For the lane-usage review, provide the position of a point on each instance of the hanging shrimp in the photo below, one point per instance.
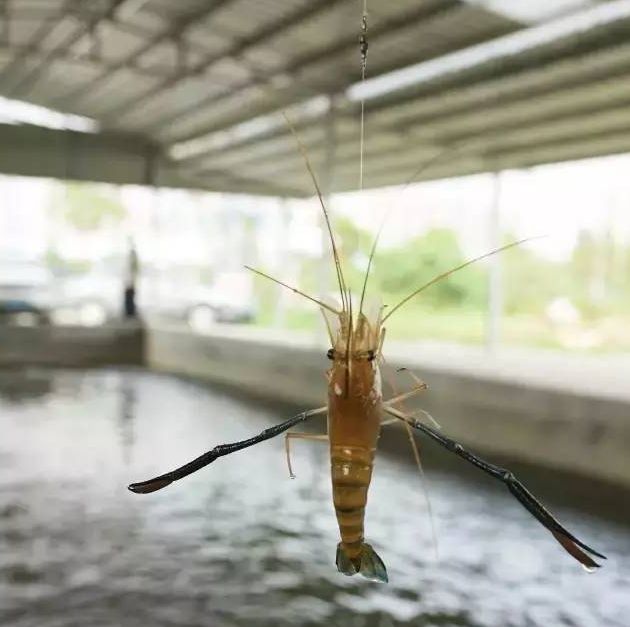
(356, 412)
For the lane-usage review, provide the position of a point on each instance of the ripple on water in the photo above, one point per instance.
(241, 544)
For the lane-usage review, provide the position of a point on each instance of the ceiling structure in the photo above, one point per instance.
(192, 93)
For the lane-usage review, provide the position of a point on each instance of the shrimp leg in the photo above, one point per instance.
(157, 483)
(405, 395)
(299, 436)
(570, 543)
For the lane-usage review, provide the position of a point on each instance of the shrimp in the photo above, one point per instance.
(356, 412)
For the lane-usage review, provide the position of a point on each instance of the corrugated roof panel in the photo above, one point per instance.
(555, 99)
(238, 102)
(172, 11)
(211, 41)
(140, 16)
(23, 31)
(119, 85)
(117, 44)
(240, 18)
(437, 36)
(154, 109)
(60, 77)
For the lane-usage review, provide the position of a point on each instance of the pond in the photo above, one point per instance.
(239, 543)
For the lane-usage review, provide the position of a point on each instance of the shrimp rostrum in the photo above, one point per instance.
(356, 411)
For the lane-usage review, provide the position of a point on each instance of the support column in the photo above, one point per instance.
(495, 293)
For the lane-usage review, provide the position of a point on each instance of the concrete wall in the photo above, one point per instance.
(544, 410)
(72, 346)
(536, 417)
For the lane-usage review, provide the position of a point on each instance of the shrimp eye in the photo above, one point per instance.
(371, 355)
(331, 353)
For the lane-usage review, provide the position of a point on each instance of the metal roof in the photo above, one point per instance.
(196, 88)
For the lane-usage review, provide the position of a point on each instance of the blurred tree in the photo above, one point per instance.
(88, 208)
(397, 271)
(400, 270)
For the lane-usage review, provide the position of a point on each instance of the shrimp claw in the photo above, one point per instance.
(157, 483)
(569, 542)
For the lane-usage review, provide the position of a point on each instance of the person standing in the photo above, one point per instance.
(131, 276)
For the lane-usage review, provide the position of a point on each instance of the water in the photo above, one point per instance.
(241, 544)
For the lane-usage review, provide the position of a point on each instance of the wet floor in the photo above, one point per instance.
(241, 544)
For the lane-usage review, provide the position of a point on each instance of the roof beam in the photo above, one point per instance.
(120, 159)
(486, 144)
(27, 14)
(457, 129)
(296, 91)
(87, 59)
(586, 146)
(574, 73)
(237, 48)
(172, 32)
(27, 82)
(38, 36)
(36, 151)
(226, 181)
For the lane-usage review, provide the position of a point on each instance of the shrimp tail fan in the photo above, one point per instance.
(367, 563)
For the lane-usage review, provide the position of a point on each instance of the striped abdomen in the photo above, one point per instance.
(351, 469)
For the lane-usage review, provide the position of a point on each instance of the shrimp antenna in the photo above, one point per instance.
(370, 259)
(295, 290)
(349, 342)
(309, 167)
(427, 164)
(452, 271)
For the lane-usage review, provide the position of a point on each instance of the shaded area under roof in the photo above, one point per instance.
(191, 93)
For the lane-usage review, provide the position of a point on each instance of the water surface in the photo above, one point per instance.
(241, 544)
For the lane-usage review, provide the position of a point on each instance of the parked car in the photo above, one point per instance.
(228, 298)
(26, 290)
(97, 296)
(89, 299)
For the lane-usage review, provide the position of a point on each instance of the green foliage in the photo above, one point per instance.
(594, 280)
(396, 272)
(88, 208)
(401, 270)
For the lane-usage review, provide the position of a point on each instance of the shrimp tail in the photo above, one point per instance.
(367, 563)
